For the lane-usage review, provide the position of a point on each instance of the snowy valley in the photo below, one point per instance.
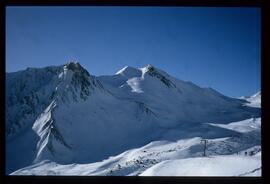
(139, 121)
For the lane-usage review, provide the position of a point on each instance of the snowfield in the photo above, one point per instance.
(239, 155)
(208, 166)
(159, 159)
(242, 126)
(140, 121)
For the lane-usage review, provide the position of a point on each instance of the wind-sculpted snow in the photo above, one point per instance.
(77, 118)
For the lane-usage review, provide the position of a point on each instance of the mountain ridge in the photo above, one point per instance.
(124, 107)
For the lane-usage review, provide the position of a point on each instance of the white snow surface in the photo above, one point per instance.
(122, 124)
(247, 125)
(239, 155)
(254, 100)
(161, 158)
(208, 166)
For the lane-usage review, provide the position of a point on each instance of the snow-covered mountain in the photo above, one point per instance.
(254, 100)
(67, 116)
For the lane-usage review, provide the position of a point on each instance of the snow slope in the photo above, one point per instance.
(168, 157)
(173, 99)
(77, 118)
(208, 166)
(28, 93)
(254, 100)
(242, 126)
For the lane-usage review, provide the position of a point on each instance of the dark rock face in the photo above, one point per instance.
(27, 95)
(82, 81)
(154, 73)
(76, 67)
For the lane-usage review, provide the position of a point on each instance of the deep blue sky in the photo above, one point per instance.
(211, 47)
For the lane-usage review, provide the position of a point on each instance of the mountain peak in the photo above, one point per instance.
(75, 83)
(76, 67)
(147, 68)
(60, 114)
(150, 69)
(72, 65)
(129, 71)
(257, 94)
